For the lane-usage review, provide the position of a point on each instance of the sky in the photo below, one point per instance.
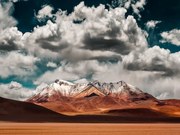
(137, 41)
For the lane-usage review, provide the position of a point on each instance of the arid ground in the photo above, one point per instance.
(88, 129)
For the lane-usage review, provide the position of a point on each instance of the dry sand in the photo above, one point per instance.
(88, 129)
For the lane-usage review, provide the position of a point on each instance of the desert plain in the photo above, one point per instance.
(88, 129)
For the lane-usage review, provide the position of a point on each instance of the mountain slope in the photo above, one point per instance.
(18, 111)
(90, 91)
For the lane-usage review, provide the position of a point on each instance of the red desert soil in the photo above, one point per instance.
(88, 129)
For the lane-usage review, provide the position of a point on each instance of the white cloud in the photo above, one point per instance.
(127, 4)
(16, 91)
(138, 6)
(72, 71)
(40, 87)
(154, 59)
(45, 13)
(172, 37)
(17, 64)
(166, 88)
(51, 64)
(83, 80)
(13, 59)
(42, 36)
(99, 32)
(152, 24)
(6, 20)
(14, 85)
(10, 39)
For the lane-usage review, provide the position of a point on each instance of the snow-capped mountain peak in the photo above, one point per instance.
(71, 89)
(61, 88)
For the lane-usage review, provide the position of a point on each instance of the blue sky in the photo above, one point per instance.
(137, 41)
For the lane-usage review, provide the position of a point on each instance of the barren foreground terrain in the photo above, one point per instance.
(88, 129)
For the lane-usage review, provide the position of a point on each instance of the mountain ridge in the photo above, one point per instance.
(71, 89)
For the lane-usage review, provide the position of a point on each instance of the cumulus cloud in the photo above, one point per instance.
(136, 5)
(40, 87)
(72, 71)
(41, 39)
(17, 64)
(88, 32)
(16, 91)
(45, 13)
(10, 39)
(51, 64)
(81, 81)
(14, 85)
(152, 24)
(153, 59)
(14, 59)
(172, 37)
(6, 20)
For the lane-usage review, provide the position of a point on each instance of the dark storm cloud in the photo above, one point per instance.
(47, 43)
(100, 43)
(156, 65)
(8, 47)
(75, 54)
(53, 48)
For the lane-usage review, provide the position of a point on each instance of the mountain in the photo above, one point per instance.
(99, 98)
(66, 89)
